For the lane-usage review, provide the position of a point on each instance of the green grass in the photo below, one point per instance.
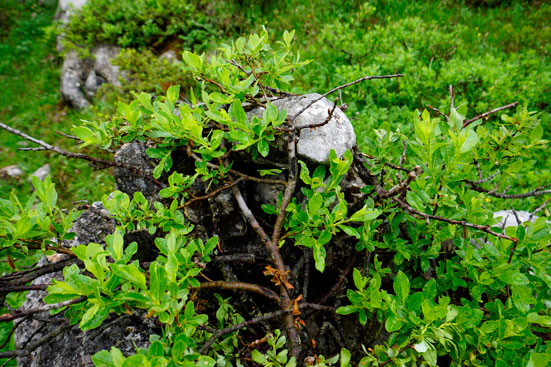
(29, 101)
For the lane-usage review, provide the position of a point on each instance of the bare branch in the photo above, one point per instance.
(425, 216)
(486, 114)
(342, 87)
(439, 112)
(240, 286)
(502, 195)
(325, 122)
(96, 161)
(18, 314)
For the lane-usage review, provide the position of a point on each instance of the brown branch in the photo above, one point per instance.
(439, 112)
(256, 77)
(23, 288)
(479, 227)
(18, 314)
(93, 160)
(340, 280)
(213, 83)
(25, 276)
(241, 325)
(502, 195)
(325, 122)
(239, 286)
(31, 347)
(486, 114)
(69, 136)
(256, 320)
(211, 194)
(342, 87)
(243, 175)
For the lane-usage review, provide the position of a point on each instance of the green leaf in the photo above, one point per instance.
(421, 347)
(392, 324)
(145, 100)
(345, 357)
(173, 93)
(220, 98)
(456, 119)
(271, 112)
(365, 214)
(470, 142)
(319, 257)
(236, 111)
(401, 286)
(131, 273)
(136, 360)
(263, 148)
(536, 134)
(359, 280)
(93, 317)
(347, 310)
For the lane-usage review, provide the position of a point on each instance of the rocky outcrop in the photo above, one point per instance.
(81, 78)
(61, 344)
(315, 143)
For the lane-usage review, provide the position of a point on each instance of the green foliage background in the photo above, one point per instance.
(493, 53)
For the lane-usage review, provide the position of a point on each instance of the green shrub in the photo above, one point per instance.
(422, 273)
(137, 24)
(142, 71)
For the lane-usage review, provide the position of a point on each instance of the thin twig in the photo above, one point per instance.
(241, 174)
(241, 325)
(23, 288)
(486, 114)
(342, 87)
(31, 347)
(96, 161)
(211, 194)
(502, 195)
(69, 136)
(438, 112)
(240, 286)
(19, 314)
(298, 129)
(256, 320)
(538, 209)
(485, 228)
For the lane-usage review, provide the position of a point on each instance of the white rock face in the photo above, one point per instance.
(508, 217)
(41, 173)
(82, 78)
(12, 171)
(314, 144)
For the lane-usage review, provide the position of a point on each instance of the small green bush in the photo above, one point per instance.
(141, 71)
(137, 24)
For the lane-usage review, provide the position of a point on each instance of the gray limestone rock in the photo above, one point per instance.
(12, 171)
(81, 78)
(101, 56)
(509, 219)
(41, 173)
(72, 76)
(315, 143)
(67, 345)
(133, 155)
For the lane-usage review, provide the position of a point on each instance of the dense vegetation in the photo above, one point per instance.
(440, 302)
